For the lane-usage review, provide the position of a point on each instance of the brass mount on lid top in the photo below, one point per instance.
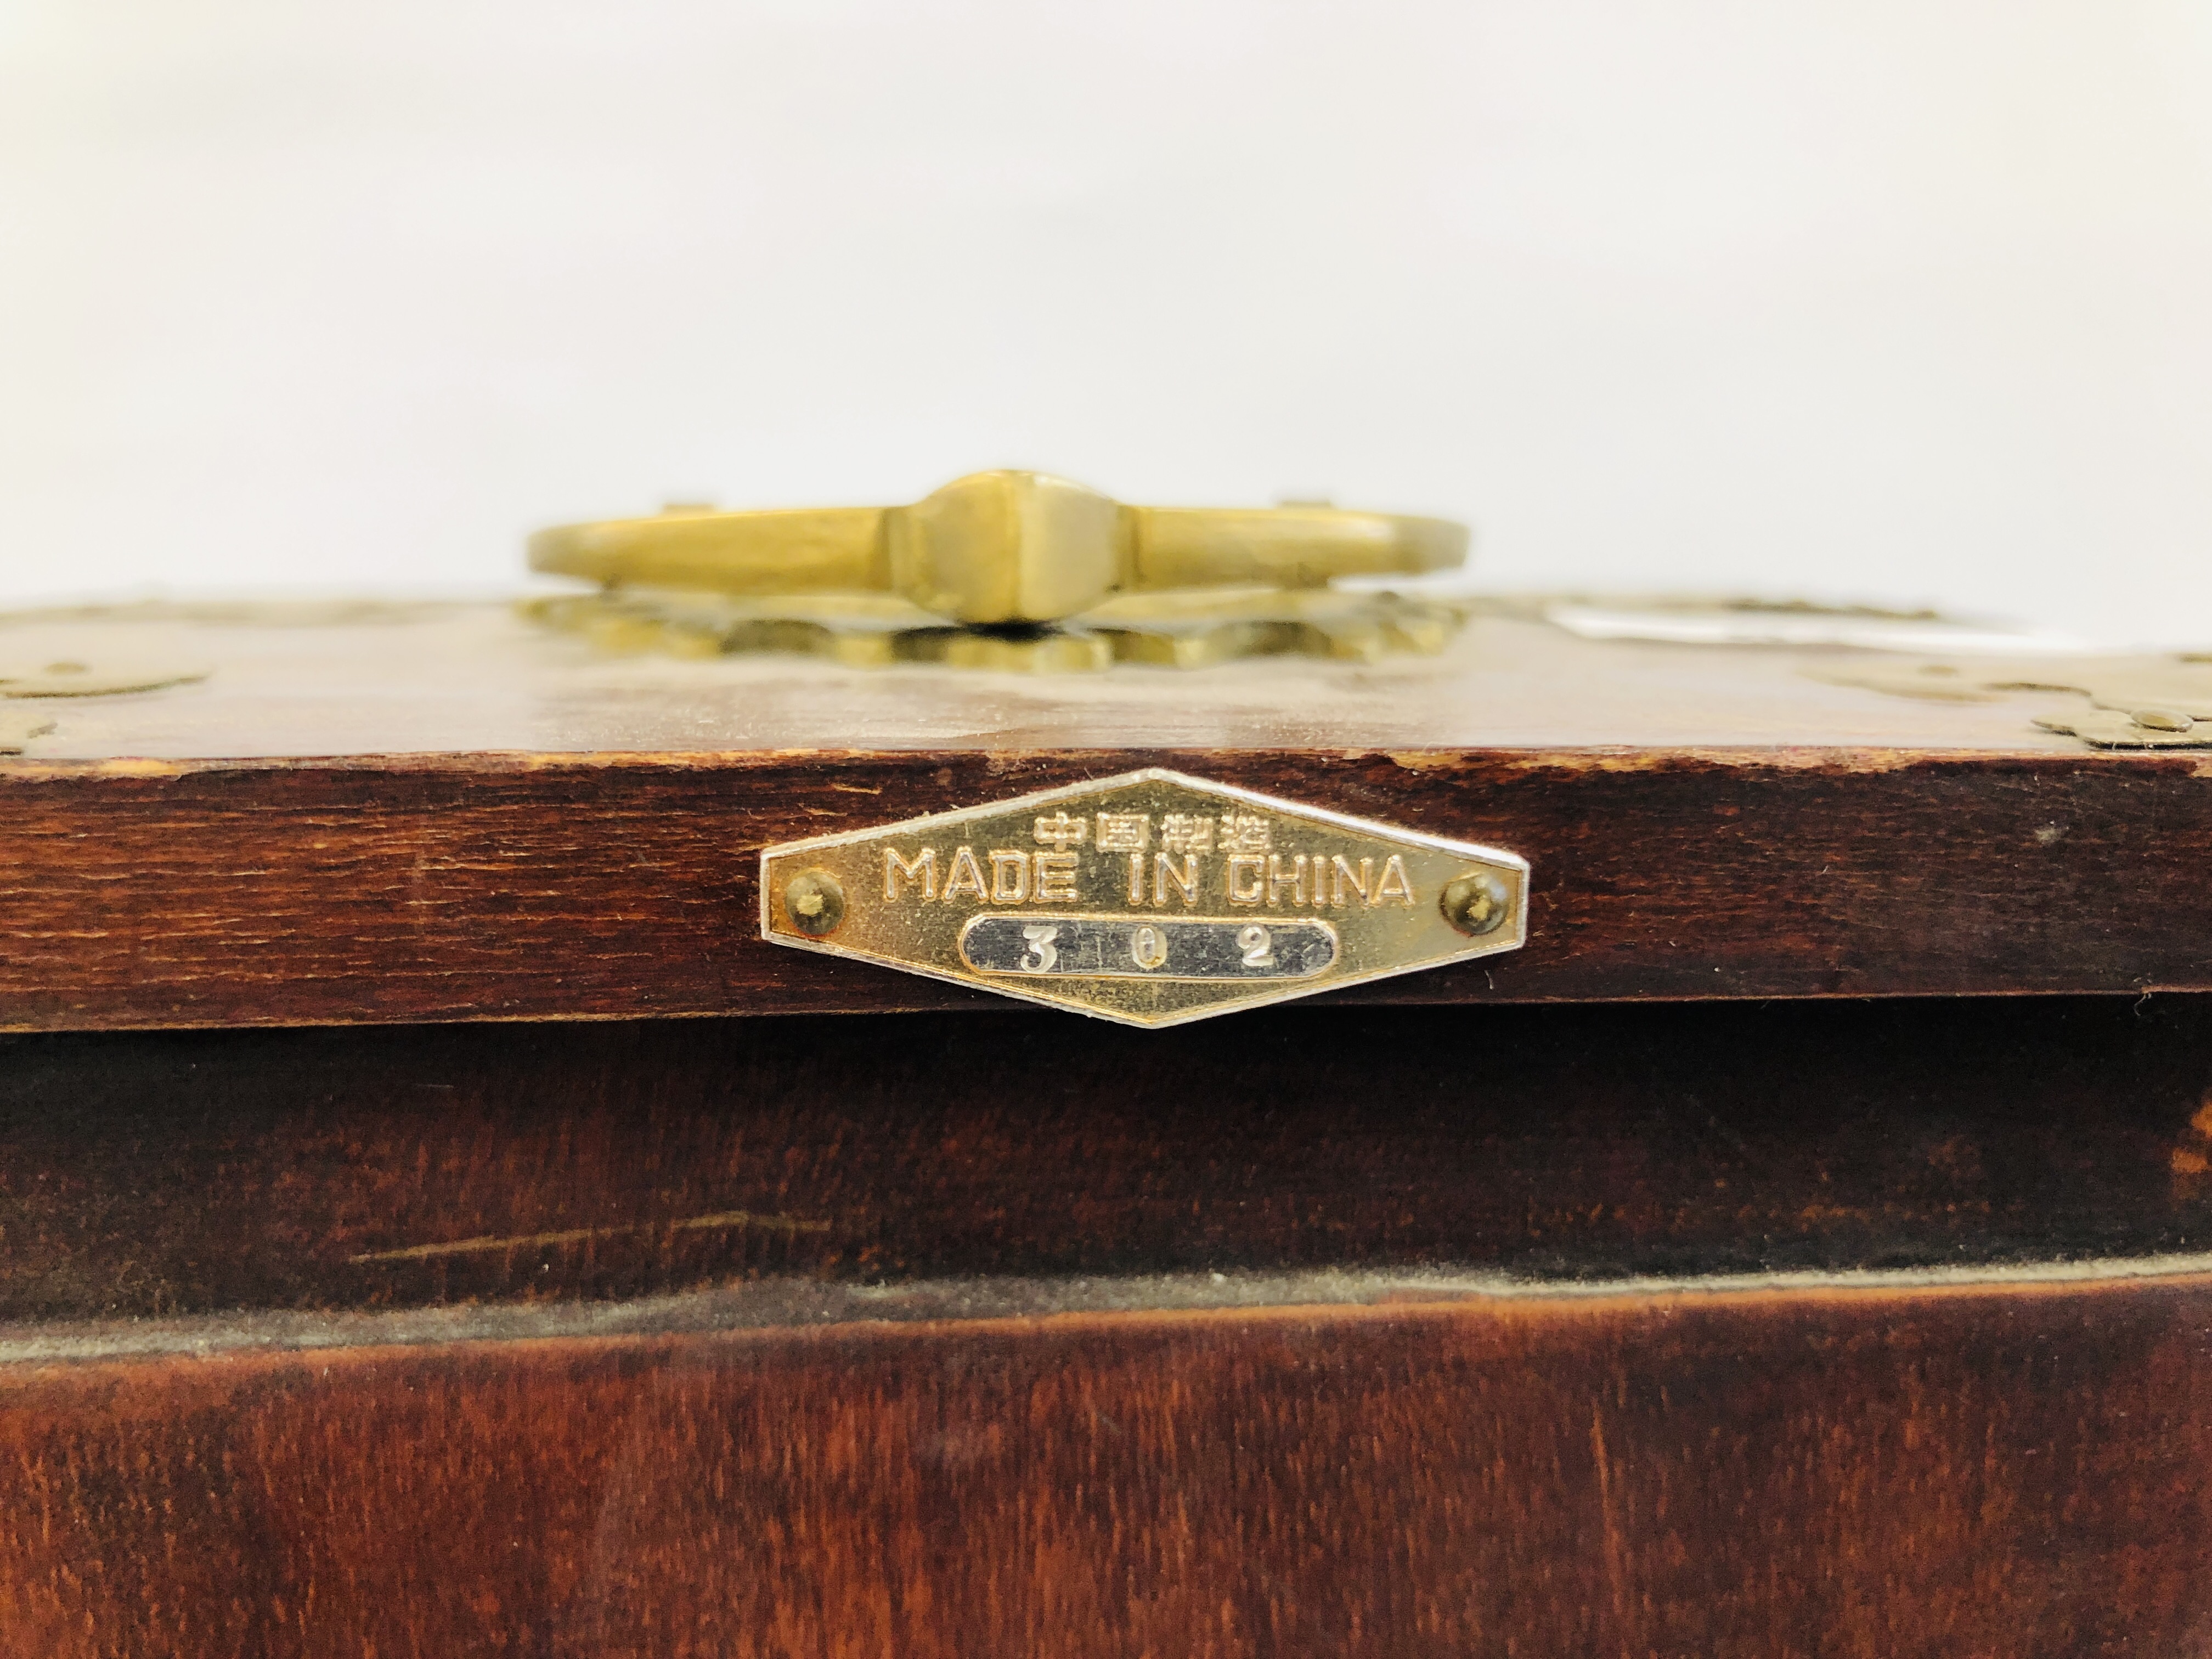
(1005, 569)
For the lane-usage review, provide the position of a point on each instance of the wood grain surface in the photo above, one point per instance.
(480, 888)
(308, 681)
(394, 814)
(476, 1313)
(2014, 1471)
(151, 1175)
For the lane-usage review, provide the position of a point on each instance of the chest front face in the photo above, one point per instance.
(1501, 1148)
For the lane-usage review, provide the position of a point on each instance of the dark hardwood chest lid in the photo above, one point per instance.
(400, 813)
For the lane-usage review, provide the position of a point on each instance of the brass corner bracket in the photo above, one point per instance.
(2133, 702)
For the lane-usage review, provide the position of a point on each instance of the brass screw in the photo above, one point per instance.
(1476, 903)
(814, 901)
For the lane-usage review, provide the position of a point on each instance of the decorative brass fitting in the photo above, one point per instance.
(1008, 569)
(998, 547)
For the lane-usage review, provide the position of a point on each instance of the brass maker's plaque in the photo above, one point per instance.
(1150, 899)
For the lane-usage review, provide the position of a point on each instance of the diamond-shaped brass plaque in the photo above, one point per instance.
(1150, 899)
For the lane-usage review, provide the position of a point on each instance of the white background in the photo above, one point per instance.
(1894, 299)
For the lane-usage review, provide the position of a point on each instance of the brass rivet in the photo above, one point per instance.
(814, 901)
(1476, 903)
(2163, 719)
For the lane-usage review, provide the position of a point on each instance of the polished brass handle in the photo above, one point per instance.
(998, 547)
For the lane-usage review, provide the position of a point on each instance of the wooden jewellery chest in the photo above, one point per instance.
(577, 1132)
